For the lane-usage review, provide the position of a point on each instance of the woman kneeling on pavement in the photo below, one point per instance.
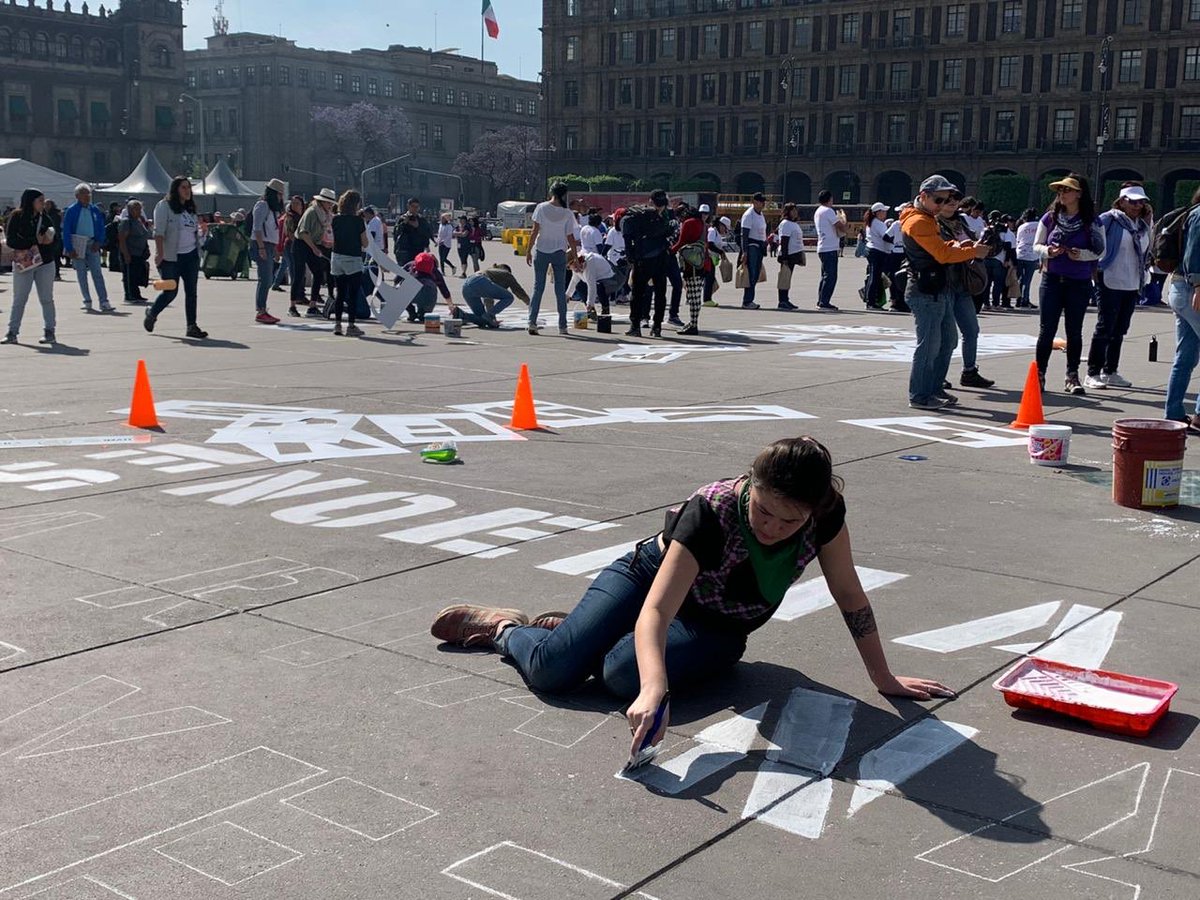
(677, 609)
(930, 294)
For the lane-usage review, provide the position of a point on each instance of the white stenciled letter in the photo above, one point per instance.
(315, 513)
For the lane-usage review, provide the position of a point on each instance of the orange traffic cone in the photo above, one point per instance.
(1030, 410)
(524, 416)
(141, 407)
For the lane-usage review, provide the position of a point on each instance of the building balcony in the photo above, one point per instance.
(898, 42)
(906, 95)
(1006, 145)
(1189, 144)
(1072, 145)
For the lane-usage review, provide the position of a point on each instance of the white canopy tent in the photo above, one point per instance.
(148, 182)
(17, 175)
(221, 190)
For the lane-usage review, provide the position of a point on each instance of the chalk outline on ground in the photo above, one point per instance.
(32, 753)
(159, 850)
(591, 876)
(287, 801)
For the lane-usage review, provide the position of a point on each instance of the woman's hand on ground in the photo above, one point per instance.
(913, 688)
(641, 718)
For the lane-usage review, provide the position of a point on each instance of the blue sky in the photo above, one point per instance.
(309, 23)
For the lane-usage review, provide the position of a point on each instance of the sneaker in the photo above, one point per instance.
(933, 403)
(337, 330)
(972, 378)
(592, 317)
(947, 399)
(676, 321)
(1096, 382)
(265, 318)
(688, 329)
(10, 338)
(87, 307)
(750, 306)
(148, 322)
(474, 626)
(634, 331)
(1072, 386)
(47, 338)
(293, 312)
(105, 306)
(787, 306)
(533, 329)
(946, 385)
(194, 331)
(276, 287)
(547, 620)
(862, 294)
(828, 306)
(314, 312)
(353, 331)
(656, 331)
(1116, 379)
(711, 303)
(563, 330)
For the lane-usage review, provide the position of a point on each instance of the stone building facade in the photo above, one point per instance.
(259, 91)
(867, 97)
(86, 89)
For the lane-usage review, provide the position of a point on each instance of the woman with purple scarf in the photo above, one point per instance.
(1070, 239)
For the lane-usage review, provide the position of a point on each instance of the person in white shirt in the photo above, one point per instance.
(553, 234)
(896, 270)
(717, 232)
(445, 241)
(595, 272)
(590, 235)
(754, 246)
(1028, 260)
(879, 253)
(829, 239)
(791, 252)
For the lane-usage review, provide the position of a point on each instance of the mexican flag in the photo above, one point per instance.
(489, 19)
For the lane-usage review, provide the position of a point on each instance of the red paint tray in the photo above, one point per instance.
(1109, 700)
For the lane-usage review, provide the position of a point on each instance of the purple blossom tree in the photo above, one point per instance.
(363, 134)
(507, 160)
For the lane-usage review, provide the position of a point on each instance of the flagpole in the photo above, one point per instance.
(481, 38)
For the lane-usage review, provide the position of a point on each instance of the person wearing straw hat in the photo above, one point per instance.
(1121, 275)
(264, 238)
(306, 248)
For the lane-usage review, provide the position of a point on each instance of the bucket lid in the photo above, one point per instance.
(1168, 425)
(1050, 430)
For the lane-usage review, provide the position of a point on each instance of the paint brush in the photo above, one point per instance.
(648, 751)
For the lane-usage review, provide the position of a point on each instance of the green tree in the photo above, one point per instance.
(1007, 193)
(1184, 190)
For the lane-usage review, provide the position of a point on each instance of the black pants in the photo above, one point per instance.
(302, 258)
(676, 278)
(647, 274)
(346, 288)
(1062, 297)
(1114, 314)
(444, 257)
(133, 277)
(877, 262)
(185, 272)
(899, 282)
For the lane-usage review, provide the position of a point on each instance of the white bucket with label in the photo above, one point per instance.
(1049, 445)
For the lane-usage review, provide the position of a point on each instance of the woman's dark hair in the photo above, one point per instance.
(349, 203)
(175, 201)
(868, 217)
(969, 203)
(558, 191)
(1030, 215)
(788, 209)
(1087, 206)
(274, 200)
(28, 198)
(594, 218)
(799, 469)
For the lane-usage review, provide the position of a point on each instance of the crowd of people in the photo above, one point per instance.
(941, 258)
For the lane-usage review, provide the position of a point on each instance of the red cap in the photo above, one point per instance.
(618, 214)
(425, 263)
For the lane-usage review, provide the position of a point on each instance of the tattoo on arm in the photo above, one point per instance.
(861, 622)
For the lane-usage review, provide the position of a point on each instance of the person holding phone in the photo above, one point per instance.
(677, 609)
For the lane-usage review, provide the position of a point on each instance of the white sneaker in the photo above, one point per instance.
(1118, 380)
(1097, 382)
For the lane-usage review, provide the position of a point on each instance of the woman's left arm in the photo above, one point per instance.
(837, 564)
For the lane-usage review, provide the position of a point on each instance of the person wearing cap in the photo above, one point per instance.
(715, 239)
(1028, 261)
(413, 233)
(929, 293)
(1184, 299)
(424, 268)
(1120, 277)
(791, 253)
(897, 272)
(264, 238)
(953, 228)
(1070, 239)
(878, 250)
(306, 248)
(754, 246)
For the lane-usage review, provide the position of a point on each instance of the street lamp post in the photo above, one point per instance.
(203, 157)
(1105, 69)
(785, 84)
(362, 176)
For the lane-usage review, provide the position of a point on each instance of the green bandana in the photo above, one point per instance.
(774, 566)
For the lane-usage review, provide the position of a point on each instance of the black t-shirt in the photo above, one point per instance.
(347, 234)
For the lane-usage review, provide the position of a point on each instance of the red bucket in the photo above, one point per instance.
(1148, 462)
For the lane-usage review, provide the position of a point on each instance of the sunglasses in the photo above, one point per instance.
(1131, 200)
(1066, 190)
(939, 201)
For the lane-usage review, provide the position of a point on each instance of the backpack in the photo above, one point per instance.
(1166, 244)
(642, 225)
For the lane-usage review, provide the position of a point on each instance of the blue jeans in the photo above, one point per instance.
(596, 639)
(266, 276)
(937, 336)
(1187, 347)
(475, 290)
(1062, 297)
(284, 269)
(1026, 269)
(88, 260)
(541, 262)
(968, 327)
(186, 271)
(754, 261)
(829, 276)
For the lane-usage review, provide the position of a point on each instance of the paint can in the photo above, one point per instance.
(433, 324)
(581, 320)
(165, 284)
(1148, 462)
(452, 328)
(604, 324)
(1049, 445)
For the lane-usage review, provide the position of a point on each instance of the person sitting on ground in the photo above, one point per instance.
(424, 267)
(487, 294)
(677, 609)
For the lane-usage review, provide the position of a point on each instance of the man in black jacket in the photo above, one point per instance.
(413, 233)
(647, 234)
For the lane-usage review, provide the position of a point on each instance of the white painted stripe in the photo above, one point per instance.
(114, 454)
(1085, 646)
(569, 522)
(75, 441)
(586, 563)
(803, 813)
(493, 554)
(207, 454)
(737, 733)
(521, 534)
(905, 755)
(153, 460)
(812, 730)
(687, 769)
(813, 595)
(982, 631)
(464, 547)
(428, 534)
(188, 467)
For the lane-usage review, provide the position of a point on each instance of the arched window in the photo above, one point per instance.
(41, 45)
(77, 49)
(6, 42)
(22, 43)
(96, 52)
(162, 56)
(112, 53)
(60, 47)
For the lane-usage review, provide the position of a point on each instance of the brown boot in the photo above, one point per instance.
(474, 626)
(547, 620)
